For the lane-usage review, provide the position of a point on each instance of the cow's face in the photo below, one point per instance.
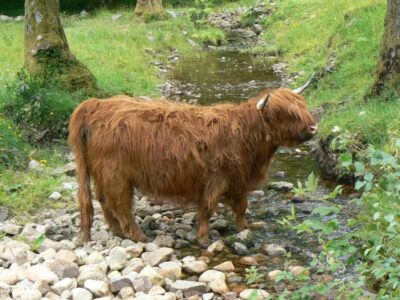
(288, 121)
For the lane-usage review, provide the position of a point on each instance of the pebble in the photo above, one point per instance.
(216, 247)
(189, 288)
(142, 284)
(41, 273)
(153, 275)
(218, 286)
(63, 285)
(248, 261)
(171, 270)
(298, 198)
(118, 283)
(219, 224)
(196, 267)
(240, 249)
(158, 256)
(273, 250)
(98, 287)
(62, 268)
(273, 274)
(81, 294)
(212, 275)
(225, 267)
(55, 196)
(117, 258)
(298, 270)
(248, 294)
(11, 229)
(280, 186)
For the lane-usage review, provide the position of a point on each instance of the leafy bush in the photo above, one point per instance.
(40, 109)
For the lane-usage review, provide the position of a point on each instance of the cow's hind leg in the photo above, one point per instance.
(112, 222)
(213, 191)
(239, 206)
(120, 204)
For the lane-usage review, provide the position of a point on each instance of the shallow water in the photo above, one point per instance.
(214, 76)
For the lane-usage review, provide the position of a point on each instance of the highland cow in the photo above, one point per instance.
(189, 153)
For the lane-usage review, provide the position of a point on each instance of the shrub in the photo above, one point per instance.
(39, 109)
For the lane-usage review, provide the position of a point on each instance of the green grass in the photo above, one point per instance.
(309, 32)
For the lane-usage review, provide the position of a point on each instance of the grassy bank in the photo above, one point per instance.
(344, 37)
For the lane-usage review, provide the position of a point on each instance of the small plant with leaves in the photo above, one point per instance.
(309, 186)
(253, 275)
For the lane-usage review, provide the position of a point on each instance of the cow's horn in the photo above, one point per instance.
(303, 88)
(262, 102)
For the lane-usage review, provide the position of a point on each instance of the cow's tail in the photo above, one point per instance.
(78, 135)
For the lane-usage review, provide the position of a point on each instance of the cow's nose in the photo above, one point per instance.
(313, 129)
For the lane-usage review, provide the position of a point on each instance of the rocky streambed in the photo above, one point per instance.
(45, 259)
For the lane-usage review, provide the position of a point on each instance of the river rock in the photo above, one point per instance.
(273, 250)
(66, 255)
(218, 286)
(280, 186)
(142, 284)
(240, 249)
(94, 258)
(219, 224)
(189, 218)
(171, 270)
(81, 294)
(211, 275)
(9, 276)
(164, 241)
(98, 287)
(96, 272)
(196, 266)
(216, 247)
(63, 285)
(298, 270)
(156, 290)
(126, 292)
(158, 256)
(118, 283)
(11, 229)
(248, 261)
(298, 198)
(20, 292)
(62, 268)
(153, 275)
(189, 288)
(247, 294)
(67, 169)
(55, 196)
(4, 213)
(34, 165)
(135, 265)
(41, 273)
(116, 260)
(273, 274)
(226, 266)
(135, 250)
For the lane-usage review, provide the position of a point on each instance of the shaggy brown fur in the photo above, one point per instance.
(189, 153)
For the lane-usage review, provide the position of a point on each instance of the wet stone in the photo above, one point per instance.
(273, 250)
(196, 267)
(298, 270)
(189, 288)
(220, 224)
(298, 198)
(273, 274)
(248, 261)
(164, 241)
(247, 294)
(216, 247)
(225, 267)
(280, 186)
(240, 249)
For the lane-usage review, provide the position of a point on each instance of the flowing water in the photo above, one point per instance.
(216, 76)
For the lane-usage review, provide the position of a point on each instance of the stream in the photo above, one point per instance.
(216, 76)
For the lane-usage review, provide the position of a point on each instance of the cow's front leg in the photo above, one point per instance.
(239, 206)
(204, 216)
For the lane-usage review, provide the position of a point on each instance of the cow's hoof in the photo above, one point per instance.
(204, 242)
(140, 237)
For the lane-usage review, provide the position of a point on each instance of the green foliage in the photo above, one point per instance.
(310, 185)
(210, 36)
(37, 243)
(253, 276)
(200, 11)
(39, 109)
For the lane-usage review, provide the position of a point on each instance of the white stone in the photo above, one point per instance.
(247, 293)
(55, 196)
(273, 274)
(11, 229)
(153, 275)
(23, 293)
(197, 266)
(96, 272)
(216, 247)
(156, 290)
(63, 285)
(81, 294)
(48, 254)
(94, 258)
(158, 256)
(171, 270)
(98, 287)
(116, 259)
(66, 255)
(41, 273)
(218, 286)
(8, 276)
(273, 250)
(211, 275)
(226, 266)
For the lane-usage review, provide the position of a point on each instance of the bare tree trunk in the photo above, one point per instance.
(47, 53)
(388, 69)
(146, 7)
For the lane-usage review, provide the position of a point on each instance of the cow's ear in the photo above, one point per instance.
(262, 103)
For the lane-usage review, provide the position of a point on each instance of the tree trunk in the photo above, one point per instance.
(47, 54)
(147, 7)
(388, 69)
